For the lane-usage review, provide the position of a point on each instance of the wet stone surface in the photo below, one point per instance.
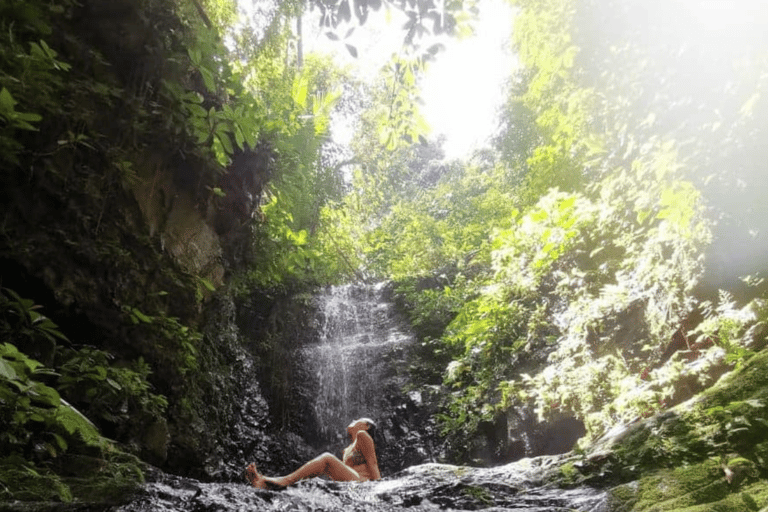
(514, 487)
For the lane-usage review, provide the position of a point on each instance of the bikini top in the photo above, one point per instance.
(353, 456)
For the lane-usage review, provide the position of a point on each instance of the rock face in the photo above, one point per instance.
(525, 436)
(514, 487)
(184, 232)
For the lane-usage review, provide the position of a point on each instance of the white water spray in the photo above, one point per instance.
(358, 337)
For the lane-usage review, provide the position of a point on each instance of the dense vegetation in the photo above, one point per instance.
(128, 136)
(562, 270)
(603, 260)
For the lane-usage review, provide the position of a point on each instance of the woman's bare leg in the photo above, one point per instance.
(326, 464)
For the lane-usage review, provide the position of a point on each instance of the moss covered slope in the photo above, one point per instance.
(708, 454)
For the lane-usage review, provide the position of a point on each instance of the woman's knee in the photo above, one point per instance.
(327, 458)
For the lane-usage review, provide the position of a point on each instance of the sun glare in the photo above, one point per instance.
(464, 88)
(723, 16)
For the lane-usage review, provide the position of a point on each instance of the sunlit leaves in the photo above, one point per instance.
(287, 254)
(574, 262)
(423, 16)
(221, 14)
(400, 121)
(300, 91)
(525, 253)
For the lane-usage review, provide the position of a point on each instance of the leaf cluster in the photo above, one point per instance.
(107, 393)
(170, 341)
(30, 65)
(291, 257)
(40, 425)
(423, 16)
(52, 411)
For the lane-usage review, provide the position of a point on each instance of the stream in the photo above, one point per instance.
(512, 487)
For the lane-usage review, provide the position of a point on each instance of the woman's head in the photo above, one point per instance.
(357, 425)
(371, 426)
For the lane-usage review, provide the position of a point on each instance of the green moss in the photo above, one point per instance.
(730, 418)
(23, 481)
(698, 488)
(760, 455)
(569, 474)
(623, 497)
(750, 381)
(708, 455)
(106, 479)
(479, 494)
(688, 485)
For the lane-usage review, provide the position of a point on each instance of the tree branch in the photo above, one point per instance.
(202, 14)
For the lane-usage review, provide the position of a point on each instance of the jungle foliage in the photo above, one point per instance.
(43, 431)
(587, 265)
(82, 120)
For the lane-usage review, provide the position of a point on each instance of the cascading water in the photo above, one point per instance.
(358, 337)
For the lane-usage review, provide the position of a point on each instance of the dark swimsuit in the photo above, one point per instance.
(353, 458)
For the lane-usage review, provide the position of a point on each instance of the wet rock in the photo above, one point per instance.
(515, 487)
(524, 435)
(230, 419)
(155, 442)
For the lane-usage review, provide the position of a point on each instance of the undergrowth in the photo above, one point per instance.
(46, 437)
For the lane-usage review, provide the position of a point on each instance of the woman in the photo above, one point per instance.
(358, 463)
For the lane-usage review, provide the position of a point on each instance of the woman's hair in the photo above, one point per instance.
(372, 432)
(371, 426)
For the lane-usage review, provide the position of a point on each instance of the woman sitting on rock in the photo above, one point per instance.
(358, 463)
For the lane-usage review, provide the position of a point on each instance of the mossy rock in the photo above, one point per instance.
(115, 477)
(478, 494)
(28, 483)
(79, 480)
(692, 489)
(750, 381)
(708, 455)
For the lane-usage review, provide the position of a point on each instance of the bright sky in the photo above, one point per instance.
(463, 87)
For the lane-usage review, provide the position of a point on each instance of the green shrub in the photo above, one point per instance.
(106, 392)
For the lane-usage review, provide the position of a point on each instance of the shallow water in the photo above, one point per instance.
(513, 487)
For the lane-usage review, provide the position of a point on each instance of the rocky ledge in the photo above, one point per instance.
(519, 486)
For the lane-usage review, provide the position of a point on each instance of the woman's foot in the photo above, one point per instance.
(259, 481)
(254, 477)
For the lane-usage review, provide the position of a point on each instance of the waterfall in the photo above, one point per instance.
(358, 336)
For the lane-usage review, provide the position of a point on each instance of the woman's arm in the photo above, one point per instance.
(366, 447)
